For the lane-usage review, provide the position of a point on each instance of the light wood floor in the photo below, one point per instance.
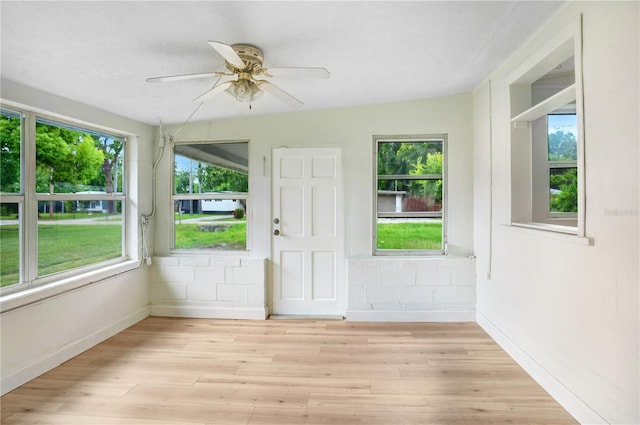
(165, 371)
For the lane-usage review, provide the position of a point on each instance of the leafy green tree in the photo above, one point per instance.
(111, 149)
(432, 189)
(52, 156)
(566, 200)
(218, 179)
(181, 181)
(399, 158)
(87, 160)
(9, 154)
(562, 146)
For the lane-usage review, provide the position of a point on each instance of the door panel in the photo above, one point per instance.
(308, 255)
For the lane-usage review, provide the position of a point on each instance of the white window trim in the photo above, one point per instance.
(404, 252)
(34, 288)
(206, 196)
(567, 43)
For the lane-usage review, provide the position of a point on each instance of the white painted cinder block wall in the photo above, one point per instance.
(567, 311)
(410, 289)
(208, 286)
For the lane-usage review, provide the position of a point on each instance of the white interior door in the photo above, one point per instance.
(307, 232)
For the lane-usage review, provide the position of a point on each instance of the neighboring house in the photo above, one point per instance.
(209, 206)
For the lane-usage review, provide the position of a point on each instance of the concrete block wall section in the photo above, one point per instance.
(444, 284)
(205, 286)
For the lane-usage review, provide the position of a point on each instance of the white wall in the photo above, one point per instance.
(352, 129)
(61, 322)
(567, 311)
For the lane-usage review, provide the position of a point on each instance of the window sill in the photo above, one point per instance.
(187, 252)
(551, 231)
(39, 293)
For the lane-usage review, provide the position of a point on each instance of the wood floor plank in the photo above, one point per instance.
(164, 371)
(126, 411)
(310, 416)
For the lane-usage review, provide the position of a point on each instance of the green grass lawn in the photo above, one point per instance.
(63, 247)
(426, 235)
(60, 247)
(208, 236)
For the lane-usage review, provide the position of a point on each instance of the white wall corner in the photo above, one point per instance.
(22, 376)
(565, 397)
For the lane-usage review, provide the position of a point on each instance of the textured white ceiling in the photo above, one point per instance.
(100, 53)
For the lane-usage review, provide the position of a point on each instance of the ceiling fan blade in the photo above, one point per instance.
(319, 73)
(228, 54)
(214, 91)
(279, 93)
(182, 77)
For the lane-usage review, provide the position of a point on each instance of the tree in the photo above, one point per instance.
(9, 154)
(432, 189)
(218, 179)
(566, 183)
(111, 149)
(563, 147)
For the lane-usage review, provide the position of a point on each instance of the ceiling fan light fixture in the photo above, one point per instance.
(244, 90)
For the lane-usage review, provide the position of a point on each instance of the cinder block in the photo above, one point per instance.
(416, 295)
(168, 291)
(381, 295)
(356, 296)
(173, 274)
(247, 275)
(464, 276)
(165, 261)
(209, 275)
(256, 294)
(252, 262)
(234, 293)
(433, 276)
(455, 262)
(194, 260)
(201, 291)
(451, 295)
(225, 262)
(398, 277)
(366, 276)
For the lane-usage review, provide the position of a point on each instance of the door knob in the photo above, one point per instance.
(276, 232)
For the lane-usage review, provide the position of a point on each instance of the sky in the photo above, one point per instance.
(566, 123)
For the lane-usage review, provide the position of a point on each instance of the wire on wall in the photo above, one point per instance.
(145, 220)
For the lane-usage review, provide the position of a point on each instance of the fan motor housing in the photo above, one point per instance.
(250, 55)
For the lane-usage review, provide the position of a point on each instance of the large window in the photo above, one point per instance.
(547, 159)
(410, 194)
(63, 199)
(210, 196)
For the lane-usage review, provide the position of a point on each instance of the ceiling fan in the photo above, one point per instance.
(244, 63)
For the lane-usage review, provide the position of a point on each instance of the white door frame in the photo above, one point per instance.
(308, 272)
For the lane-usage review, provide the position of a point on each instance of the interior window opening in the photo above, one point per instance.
(210, 196)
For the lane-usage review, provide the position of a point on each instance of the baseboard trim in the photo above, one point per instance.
(565, 397)
(69, 351)
(410, 316)
(209, 312)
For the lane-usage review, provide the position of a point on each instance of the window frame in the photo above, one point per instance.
(529, 205)
(441, 138)
(29, 280)
(209, 196)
